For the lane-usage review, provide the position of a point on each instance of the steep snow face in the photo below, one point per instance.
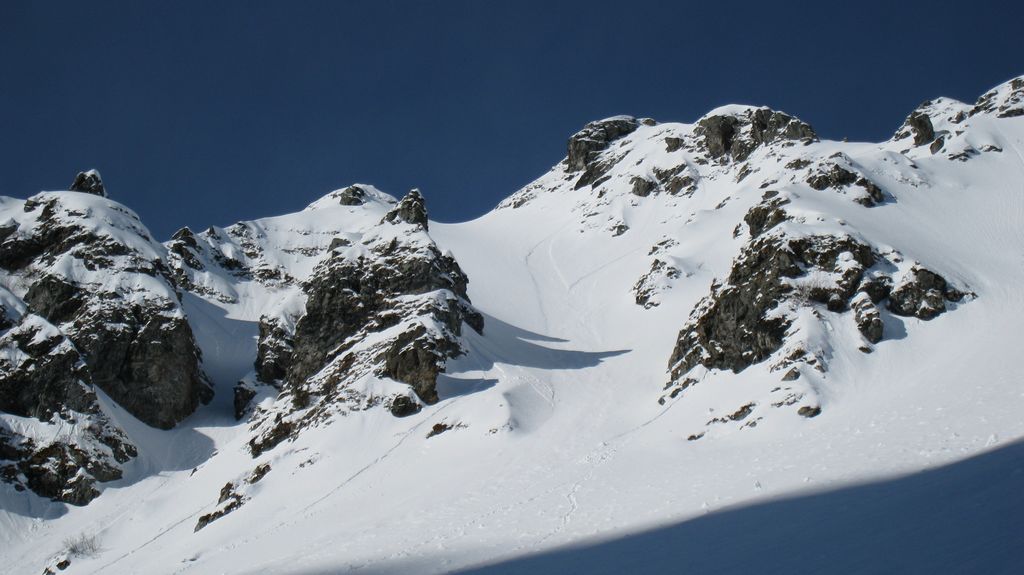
(678, 319)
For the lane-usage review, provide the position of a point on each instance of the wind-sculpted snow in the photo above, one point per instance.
(678, 324)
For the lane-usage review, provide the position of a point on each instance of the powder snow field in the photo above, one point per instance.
(562, 460)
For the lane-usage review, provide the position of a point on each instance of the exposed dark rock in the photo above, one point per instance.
(868, 318)
(55, 299)
(718, 134)
(150, 369)
(273, 350)
(403, 294)
(404, 406)
(874, 195)
(1006, 100)
(745, 171)
(279, 431)
(808, 411)
(832, 175)
(140, 351)
(229, 501)
(184, 244)
(7, 229)
(767, 214)
(585, 148)
(58, 471)
(922, 294)
(259, 473)
(921, 127)
(439, 428)
(339, 243)
(409, 361)
(585, 145)
(641, 186)
(742, 413)
(43, 376)
(89, 182)
(877, 288)
(731, 328)
(347, 296)
(411, 210)
(739, 135)
(675, 180)
(243, 395)
(352, 196)
(51, 379)
(651, 283)
(673, 144)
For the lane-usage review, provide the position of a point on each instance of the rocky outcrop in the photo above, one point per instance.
(1005, 100)
(67, 444)
(655, 281)
(868, 318)
(750, 317)
(767, 214)
(233, 496)
(738, 135)
(43, 374)
(920, 126)
(585, 148)
(89, 182)
(642, 186)
(922, 294)
(352, 196)
(273, 351)
(838, 173)
(411, 210)
(93, 272)
(391, 307)
(585, 145)
(734, 327)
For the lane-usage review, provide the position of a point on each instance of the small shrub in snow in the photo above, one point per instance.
(84, 545)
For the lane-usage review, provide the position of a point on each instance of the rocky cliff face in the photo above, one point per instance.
(55, 440)
(89, 267)
(88, 305)
(387, 306)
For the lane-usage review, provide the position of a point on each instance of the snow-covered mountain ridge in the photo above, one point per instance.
(675, 319)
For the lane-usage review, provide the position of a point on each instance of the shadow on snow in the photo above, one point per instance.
(965, 517)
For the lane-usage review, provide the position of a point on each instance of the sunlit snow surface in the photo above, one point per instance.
(562, 460)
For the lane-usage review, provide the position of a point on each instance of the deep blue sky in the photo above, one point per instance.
(205, 112)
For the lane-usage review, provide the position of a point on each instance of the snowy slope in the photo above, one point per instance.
(559, 424)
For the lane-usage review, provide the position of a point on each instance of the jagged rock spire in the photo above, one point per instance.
(89, 182)
(411, 210)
